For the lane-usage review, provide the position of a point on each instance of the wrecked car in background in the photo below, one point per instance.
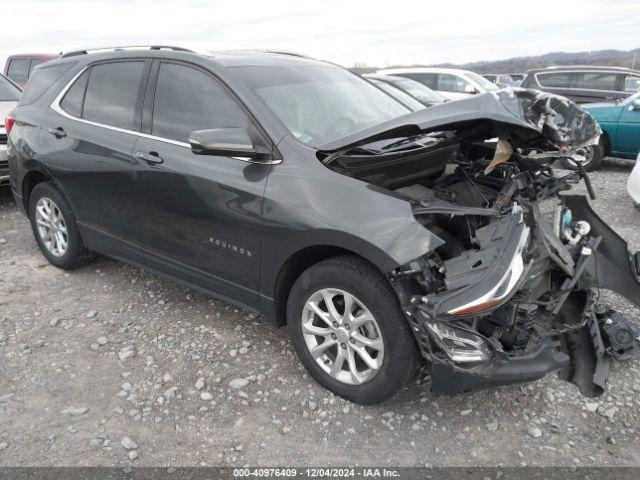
(382, 238)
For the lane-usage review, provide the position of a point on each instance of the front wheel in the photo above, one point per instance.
(348, 330)
(590, 156)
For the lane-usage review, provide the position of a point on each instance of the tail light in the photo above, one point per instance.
(8, 123)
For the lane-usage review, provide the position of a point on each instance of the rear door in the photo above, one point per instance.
(87, 141)
(200, 214)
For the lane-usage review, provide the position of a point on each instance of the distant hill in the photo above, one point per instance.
(616, 58)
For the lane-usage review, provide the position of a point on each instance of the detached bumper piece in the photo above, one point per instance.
(621, 337)
(449, 380)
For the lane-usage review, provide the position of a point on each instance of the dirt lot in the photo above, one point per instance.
(109, 365)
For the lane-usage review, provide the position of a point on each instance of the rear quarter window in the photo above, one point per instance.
(40, 81)
(72, 100)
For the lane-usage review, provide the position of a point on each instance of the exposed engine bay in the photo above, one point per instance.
(511, 291)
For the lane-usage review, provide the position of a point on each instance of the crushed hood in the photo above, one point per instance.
(528, 114)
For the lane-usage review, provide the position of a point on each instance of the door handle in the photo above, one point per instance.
(57, 132)
(151, 158)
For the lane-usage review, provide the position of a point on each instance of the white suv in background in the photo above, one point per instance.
(451, 83)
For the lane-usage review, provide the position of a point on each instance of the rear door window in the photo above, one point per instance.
(451, 83)
(555, 79)
(596, 80)
(41, 80)
(188, 99)
(111, 94)
(18, 70)
(428, 79)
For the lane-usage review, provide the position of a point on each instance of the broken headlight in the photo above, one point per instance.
(460, 345)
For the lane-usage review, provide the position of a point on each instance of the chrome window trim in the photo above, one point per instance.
(55, 106)
(584, 89)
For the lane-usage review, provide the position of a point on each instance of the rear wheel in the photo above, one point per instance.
(55, 229)
(348, 330)
(590, 156)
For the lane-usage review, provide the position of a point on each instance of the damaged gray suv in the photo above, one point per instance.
(383, 239)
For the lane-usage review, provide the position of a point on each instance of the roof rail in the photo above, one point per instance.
(74, 53)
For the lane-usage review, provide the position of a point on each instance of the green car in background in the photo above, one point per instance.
(620, 123)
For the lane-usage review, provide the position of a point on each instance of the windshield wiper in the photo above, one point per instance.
(357, 149)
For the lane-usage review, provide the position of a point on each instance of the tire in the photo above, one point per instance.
(396, 353)
(74, 252)
(594, 155)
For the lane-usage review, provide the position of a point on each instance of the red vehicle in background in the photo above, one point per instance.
(19, 67)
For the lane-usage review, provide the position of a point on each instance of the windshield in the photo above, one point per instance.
(632, 98)
(8, 91)
(483, 82)
(419, 91)
(320, 103)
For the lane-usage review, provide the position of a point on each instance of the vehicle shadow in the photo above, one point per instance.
(617, 165)
(5, 195)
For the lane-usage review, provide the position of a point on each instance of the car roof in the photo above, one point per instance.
(385, 78)
(595, 68)
(222, 58)
(33, 55)
(453, 71)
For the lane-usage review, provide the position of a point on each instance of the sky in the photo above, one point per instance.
(346, 32)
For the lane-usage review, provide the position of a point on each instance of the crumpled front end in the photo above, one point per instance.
(511, 296)
(508, 292)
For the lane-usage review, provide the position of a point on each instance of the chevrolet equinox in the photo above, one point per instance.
(382, 238)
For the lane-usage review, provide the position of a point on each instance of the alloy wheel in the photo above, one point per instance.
(583, 155)
(52, 227)
(342, 336)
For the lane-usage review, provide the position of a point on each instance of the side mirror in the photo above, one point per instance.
(635, 105)
(470, 89)
(228, 142)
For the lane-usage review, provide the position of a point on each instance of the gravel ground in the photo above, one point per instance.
(111, 366)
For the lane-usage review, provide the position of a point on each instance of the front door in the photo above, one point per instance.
(628, 135)
(200, 214)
